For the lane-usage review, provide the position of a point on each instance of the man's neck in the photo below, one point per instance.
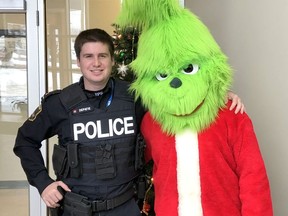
(95, 86)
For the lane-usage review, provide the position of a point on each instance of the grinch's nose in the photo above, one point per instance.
(175, 83)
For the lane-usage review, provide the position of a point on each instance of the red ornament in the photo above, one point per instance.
(146, 208)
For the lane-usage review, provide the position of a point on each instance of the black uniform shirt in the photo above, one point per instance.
(48, 120)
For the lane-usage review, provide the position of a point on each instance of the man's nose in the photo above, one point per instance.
(97, 61)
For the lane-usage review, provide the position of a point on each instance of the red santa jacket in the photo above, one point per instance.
(218, 172)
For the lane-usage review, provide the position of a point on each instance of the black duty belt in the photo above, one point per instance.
(99, 205)
(105, 205)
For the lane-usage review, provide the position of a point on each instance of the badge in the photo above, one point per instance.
(35, 113)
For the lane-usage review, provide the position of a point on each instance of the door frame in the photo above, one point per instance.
(36, 81)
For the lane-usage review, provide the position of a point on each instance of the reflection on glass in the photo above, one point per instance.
(13, 86)
(13, 111)
(61, 58)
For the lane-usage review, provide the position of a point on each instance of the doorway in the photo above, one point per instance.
(20, 87)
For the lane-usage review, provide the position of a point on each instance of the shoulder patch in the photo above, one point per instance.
(38, 110)
(35, 113)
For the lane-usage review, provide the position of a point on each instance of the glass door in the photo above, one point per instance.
(21, 84)
(13, 111)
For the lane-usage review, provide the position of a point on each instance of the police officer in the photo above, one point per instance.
(96, 121)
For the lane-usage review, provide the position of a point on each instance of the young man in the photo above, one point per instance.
(97, 122)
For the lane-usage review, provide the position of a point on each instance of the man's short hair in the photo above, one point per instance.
(93, 35)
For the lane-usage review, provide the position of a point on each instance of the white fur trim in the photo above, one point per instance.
(188, 174)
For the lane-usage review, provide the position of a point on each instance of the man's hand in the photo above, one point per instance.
(236, 102)
(51, 195)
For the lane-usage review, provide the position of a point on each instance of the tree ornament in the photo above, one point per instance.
(122, 55)
(122, 69)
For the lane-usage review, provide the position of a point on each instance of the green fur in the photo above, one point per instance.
(144, 14)
(170, 42)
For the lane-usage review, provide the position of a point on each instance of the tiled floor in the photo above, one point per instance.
(14, 202)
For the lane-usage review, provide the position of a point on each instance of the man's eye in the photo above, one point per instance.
(191, 69)
(161, 76)
(103, 56)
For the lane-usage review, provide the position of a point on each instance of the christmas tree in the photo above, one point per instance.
(125, 42)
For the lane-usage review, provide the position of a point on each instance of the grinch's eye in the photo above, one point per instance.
(161, 76)
(191, 69)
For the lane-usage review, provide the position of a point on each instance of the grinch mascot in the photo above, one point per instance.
(206, 159)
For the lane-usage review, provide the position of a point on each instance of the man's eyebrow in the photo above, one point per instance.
(87, 53)
(104, 53)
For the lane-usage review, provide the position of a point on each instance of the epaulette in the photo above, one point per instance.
(48, 94)
(71, 96)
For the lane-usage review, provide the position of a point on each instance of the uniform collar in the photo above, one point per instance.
(91, 94)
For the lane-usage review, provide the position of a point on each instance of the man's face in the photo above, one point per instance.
(95, 63)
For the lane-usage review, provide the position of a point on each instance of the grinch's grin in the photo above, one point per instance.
(195, 110)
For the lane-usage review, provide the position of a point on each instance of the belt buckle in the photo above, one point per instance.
(99, 205)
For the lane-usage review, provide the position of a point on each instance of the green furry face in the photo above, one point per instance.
(187, 98)
(182, 76)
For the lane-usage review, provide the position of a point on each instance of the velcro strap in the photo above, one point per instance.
(73, 155)
(89, 149)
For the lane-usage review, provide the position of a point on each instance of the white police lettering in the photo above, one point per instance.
(118, 126)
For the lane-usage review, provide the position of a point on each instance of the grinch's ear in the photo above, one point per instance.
(143, 14)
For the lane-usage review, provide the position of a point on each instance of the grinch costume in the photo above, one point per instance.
(206, 159)
(217, 172)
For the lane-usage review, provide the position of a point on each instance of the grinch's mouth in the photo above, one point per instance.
(195, 110)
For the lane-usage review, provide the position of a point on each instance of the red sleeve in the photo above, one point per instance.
(145, 128)
(253, 181)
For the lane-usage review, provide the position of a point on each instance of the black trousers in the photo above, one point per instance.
(130, 208)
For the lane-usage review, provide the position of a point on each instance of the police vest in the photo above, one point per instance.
(103, 148)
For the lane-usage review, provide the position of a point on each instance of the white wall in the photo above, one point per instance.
(254, 35)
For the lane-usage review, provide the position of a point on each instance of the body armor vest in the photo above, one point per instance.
(102, 150)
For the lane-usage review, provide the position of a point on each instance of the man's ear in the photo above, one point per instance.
(78, 62)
